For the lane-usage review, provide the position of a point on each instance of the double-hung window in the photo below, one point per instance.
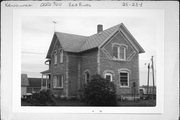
(119, 52)
(55, 57)
(61, 56)
(108, 76)
(58, 81)
(124, 79)
(86, 77)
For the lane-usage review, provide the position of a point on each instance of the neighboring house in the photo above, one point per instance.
(147, 89)
(24, 84)
(34, 85)
(73, 59)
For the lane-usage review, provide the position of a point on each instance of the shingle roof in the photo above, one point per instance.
(70, 42)
(79, 43)
(24, 80)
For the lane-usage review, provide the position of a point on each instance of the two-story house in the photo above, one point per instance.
(73, 59)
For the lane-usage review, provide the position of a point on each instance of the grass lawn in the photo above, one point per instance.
(141, 103)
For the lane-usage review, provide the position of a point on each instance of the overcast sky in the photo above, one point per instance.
(37, 33)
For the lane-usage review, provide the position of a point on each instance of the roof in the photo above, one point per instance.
(24, 80)
(79, 43)
(46, 72)
(34, 82)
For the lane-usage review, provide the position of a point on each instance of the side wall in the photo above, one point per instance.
(132, 64)
(88, 63)
(59, 69)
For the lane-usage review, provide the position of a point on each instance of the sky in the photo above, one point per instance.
(37, 33)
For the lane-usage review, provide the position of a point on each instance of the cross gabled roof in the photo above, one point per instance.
(79, 43)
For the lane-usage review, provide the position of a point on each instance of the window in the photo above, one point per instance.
(87, 77)
(58, 81)
(44, 83)
(119, 52)
(108, 76)
(61, 56)
(55, 57)
(124, 79)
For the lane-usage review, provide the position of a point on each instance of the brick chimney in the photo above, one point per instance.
(99, 28)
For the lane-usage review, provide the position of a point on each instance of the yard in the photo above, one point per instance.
(140, 103)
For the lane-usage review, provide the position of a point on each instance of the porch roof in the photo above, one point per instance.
(46, 72)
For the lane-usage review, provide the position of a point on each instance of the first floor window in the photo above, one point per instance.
(58, 81)
(44, 83)
(108, 76)
(124, 79)
(87, 77)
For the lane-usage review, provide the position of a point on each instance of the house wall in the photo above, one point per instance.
(23, 91)
(108, 64)
(88, 62)
(59, 69)
(73, 73)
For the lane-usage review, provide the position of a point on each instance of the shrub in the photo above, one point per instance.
(43, 98)
(100, 92)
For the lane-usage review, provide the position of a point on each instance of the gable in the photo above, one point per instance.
(118, 39)
(54, 44)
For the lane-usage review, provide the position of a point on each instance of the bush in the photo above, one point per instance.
(43, 98)
(100, 92)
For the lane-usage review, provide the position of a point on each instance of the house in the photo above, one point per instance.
(73, 59)
(147, 89)
(24, 84)
(34, 85)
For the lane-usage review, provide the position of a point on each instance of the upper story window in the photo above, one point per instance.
(61, 56)
(119, 52)
(108, 76)
(58, 81)
(55, 57)
(124, 78)
(87, 77)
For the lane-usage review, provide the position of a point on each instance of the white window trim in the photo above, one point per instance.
(123, 71)
(118, 52)
(110, 74)
(55, 58)
(61, 57)
(62, 79)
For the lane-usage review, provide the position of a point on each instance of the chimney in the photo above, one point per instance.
(99, 28)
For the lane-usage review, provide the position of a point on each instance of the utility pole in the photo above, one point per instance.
(153, 76)
(148, 79)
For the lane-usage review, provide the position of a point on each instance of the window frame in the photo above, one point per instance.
(55, 57)
(111, 76)
(85, 77)
(119, 51)
(123, 71)
(61, 56)
(55, 86)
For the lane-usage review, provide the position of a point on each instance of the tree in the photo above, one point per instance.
(43, 98)
(100, 92)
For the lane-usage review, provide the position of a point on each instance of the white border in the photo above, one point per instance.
(18, 14)
(171, 61)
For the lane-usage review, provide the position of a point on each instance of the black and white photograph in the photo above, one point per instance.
(90, 60)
